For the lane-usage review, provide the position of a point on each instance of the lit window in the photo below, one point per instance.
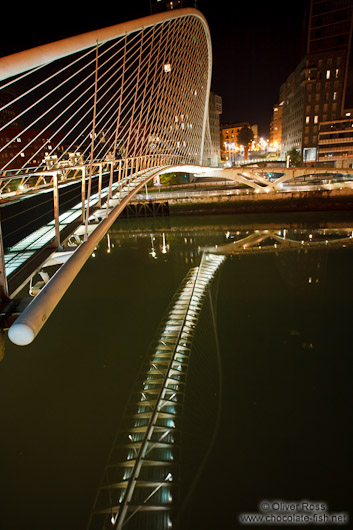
(328, 73)
(167, 68)
(334, 96)
(337, 72)
(316, 119)
(307, 119)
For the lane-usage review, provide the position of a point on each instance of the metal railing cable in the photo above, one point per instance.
(160, 98)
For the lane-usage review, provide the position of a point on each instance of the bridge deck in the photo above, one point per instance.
(24, 258)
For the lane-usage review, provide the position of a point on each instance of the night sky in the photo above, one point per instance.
(256, 45)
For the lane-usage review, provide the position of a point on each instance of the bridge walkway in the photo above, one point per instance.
(23, 258)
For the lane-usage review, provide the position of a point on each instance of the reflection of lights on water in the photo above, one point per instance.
(164, 245)
(153, 252)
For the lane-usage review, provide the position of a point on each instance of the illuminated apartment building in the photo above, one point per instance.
(318, 90)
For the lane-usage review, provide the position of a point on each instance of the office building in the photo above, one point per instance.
(335, 145)
(276, 127)
(319, 90)
(213, 149)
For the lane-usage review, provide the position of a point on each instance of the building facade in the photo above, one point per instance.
(229, 134)
(276, 127)
(335, 145)
(212, 154)
(292, 103)
(319, 90)
(39, 145)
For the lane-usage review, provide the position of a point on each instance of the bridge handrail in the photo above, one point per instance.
(28, 181)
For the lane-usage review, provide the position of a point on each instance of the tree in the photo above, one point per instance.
(244, 138)
(295, 158)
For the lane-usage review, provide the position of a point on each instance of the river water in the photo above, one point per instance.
(285, 342)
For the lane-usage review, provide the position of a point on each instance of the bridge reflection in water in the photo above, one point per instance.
(153, 466)
(138, 488)
(275, 383)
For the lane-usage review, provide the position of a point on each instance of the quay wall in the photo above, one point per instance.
(319, 200)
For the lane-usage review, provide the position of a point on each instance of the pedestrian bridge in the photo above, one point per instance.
(86, 123)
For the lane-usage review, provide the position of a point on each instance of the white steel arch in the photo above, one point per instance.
(135, 88)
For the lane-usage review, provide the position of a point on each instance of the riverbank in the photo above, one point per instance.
(252, 202)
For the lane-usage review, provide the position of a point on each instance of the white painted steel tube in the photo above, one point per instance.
(24, 330)
(26, 60)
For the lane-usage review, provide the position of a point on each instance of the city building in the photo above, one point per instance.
(212, 154)
(276, 127)
(229, 134)
(9, 109)
(38, 144)
(335, 145)
(319, 90)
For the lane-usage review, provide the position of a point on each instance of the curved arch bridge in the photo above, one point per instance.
(88, 121)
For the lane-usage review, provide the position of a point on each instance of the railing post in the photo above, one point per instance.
(119, 179)
(56, 209)
(83, 193)
(138, 163)
(100, 185)
(4, 289)
(110, 189)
